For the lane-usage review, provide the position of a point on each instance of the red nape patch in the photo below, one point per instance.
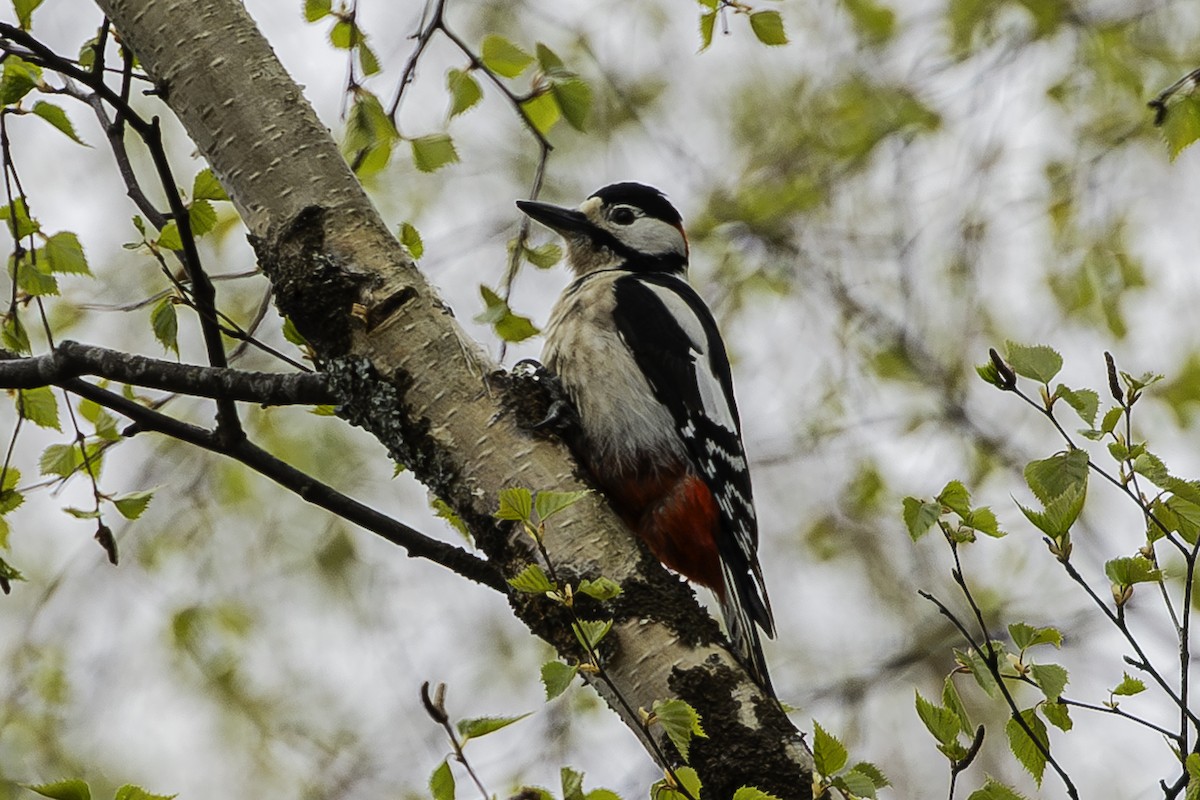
(677, 516)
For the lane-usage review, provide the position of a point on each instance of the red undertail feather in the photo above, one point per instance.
(676, 515)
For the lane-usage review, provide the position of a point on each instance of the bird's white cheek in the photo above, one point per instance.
(653, 236)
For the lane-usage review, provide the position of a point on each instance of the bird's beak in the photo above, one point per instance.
(562, 220)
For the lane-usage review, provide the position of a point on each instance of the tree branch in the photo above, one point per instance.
(307, 487)
(71, 360)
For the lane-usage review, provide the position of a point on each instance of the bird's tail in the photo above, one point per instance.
(745, 610)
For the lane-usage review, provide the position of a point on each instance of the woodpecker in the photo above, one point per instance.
(638, 353)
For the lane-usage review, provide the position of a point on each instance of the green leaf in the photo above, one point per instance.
(316, 9)
(1059, 515)
(572, 783)
(60, 459)
(547, 504)
(956, 498)
(25, 9)
(1050, 678)
(481, 726)
(443, 510)
(133, 504)
(680, 722)
(503, 57)
(688, 779)
(65, 254)
(600, 589)
(534, 793)
(464, 91)
(104, 424)
(292, 335)
(1111, 418)
(516, 503)
(984, 520)
(1051, 478)
(543, 111)
(1025, 636)
(32, 277)
(165, 324)
(410, 237)
(707, 22)
(169, 236)
(544, 256)
(441, 782)
(515, 328)
(18, 79)
(1192, 765)
(1129, 686)
(590, 632)
(16, 210)
(768, 27)
(991, 375)
(1152, 467)
(1128, 570)
(557, 677)
(1058, 715)
(202, 217)
(943, 723)
(574, 98)
(875, 22)
(854, 784)
(8, 571)
(878, 779)
(58, 118)
(1184, 490)
(995, 791)
(600, 794)
(532, 580)
(10, 499)
(549, 61)
(752, 793)
(920, 516)
(431, 153)
(370, 135)
(1026, 749)
(1038, 362)
(63, 790)
(205, 186)
(829, 754)
(952, 701)
(1181, 127)
(509, 326)
(1085, 402)
(39, 406)
(971, 661)
(131, 792)
(82, 513)
(344, 34)
(14, 336)
(367, 59)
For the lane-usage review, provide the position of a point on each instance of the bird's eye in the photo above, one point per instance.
(622, 215)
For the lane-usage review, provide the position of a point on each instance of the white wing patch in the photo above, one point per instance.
(712, 394)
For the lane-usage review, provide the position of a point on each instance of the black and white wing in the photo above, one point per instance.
(676, 344)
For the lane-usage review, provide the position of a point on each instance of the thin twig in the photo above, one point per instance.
(308, 488)
(72, 360)
(436, 708)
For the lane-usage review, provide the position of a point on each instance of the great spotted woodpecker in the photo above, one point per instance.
(639, 355)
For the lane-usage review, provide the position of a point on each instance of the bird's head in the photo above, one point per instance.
(627, 225)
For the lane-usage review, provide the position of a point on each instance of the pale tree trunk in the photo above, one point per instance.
(410, 375)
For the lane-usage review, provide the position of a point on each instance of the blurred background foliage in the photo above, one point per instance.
(871, 206)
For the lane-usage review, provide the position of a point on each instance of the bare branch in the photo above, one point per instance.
(417, 544)
(70, 360)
